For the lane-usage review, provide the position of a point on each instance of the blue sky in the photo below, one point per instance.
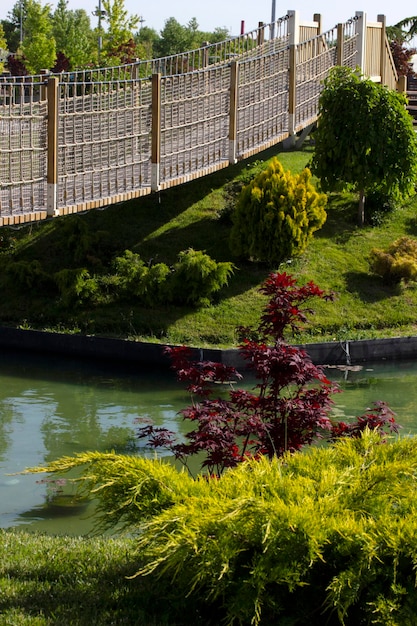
(220, 13)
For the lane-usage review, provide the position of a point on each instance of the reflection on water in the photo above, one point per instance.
(50, 407)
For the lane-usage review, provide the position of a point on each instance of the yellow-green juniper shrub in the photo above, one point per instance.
(328, 536)
(276, 215)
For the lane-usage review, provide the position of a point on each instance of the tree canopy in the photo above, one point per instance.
(364, 139)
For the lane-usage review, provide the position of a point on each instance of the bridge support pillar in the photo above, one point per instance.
(156, 132)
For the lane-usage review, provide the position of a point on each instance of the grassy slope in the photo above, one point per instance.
(160, 226)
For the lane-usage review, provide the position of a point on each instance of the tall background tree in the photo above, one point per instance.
(38, 45)
(365, 138)
(118, 38)
(73, 35)
(400, 36)
(13, 25)
(3, 47)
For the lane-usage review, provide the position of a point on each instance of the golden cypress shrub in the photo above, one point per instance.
(276, 215)
(398, 262)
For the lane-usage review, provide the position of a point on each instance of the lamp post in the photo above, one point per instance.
(21, 22)
(99, 13)
(273, 19)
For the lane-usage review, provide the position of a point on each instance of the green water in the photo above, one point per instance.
(51, 407)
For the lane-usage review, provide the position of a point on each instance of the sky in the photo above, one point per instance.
(211, 14)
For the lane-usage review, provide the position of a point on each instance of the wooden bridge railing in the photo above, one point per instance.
(83, 140)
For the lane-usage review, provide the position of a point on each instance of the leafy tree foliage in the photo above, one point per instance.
(146, 42)
(276, 215)
(16, 65)
(402, 56)
(73, 35)
(38, 45)
(365, 138)
(3, 44)
(119, 32)
(15, 18)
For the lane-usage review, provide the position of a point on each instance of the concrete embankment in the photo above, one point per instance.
(150, 354)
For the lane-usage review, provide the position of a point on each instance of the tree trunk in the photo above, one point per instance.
(361, 208)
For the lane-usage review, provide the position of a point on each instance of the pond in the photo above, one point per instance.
(50, 407)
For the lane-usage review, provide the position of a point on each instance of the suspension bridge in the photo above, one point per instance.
(87, 139)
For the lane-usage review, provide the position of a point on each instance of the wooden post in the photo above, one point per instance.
(234, 73)
(383, 60)
(402, 84)
(43, 91)
(52, 155)
(206, 48)
(340, 45)
(156, 132)
(294, 27)
(292, 93)
(317, 18)
(261, 33)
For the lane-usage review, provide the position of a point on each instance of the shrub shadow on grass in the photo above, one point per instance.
(411, 227)
(100, 596)
(370, 288)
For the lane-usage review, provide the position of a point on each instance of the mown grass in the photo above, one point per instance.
(70, 581)
(197, 215)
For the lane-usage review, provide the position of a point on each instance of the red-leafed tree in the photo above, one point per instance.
(402, 58)
(287, 409)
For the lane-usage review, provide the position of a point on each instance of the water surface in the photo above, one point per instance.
(50, 407)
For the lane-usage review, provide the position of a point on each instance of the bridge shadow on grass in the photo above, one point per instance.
(370, 288)
(128, 225)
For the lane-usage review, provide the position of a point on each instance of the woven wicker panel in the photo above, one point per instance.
(262, 116)
(23, 119)
(194, 122)
(104, 140)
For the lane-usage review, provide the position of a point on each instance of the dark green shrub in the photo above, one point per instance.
(86, 246)
(27, 275)
(276, 215)
(196, 277)
(138, 280)
(7, 239)
(323, 537)
(77, 286)
(398, 262)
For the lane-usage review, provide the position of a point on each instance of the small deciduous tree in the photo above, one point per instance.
(364, 139)
(289, 407)
(276, 215)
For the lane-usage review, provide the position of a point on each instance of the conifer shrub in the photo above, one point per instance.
(26, 276)
(324, 537)
(139, 280)
(276, 215)
(77, 286)
(196, 277)
(397, 263)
